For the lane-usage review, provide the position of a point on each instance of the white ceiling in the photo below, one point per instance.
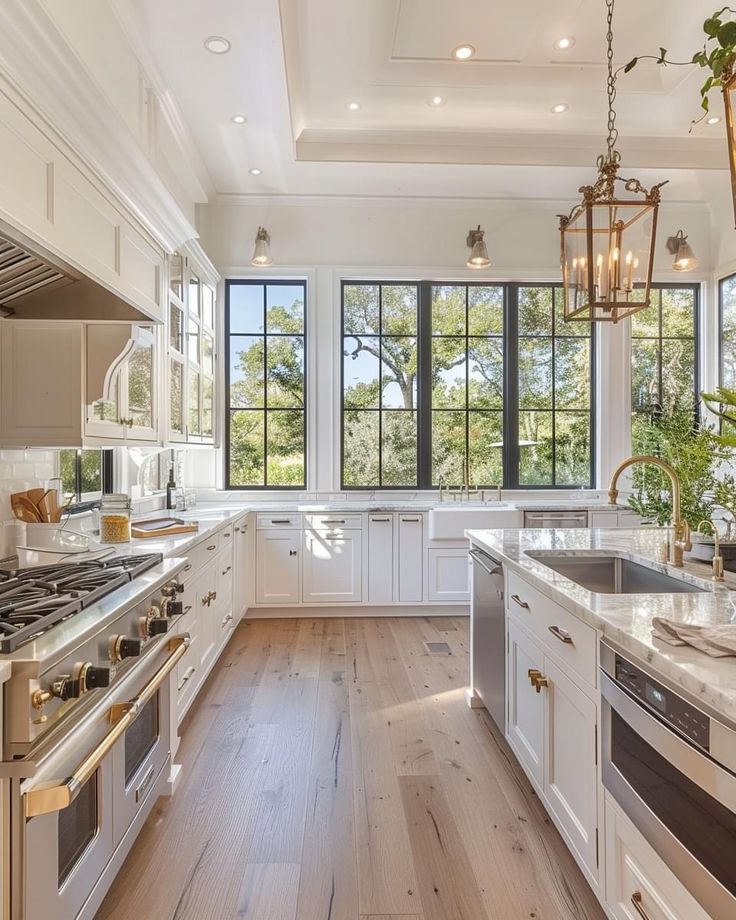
(295, 64)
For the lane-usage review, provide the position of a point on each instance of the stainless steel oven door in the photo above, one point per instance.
(682, 801)
(71, 813)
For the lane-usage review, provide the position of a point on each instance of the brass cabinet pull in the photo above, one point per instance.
(55, 796)
(226, 536)
(533, 674)
(636, 900)
(519, 601)
(375, 520)
(539, 682)
(212, 546)
(225, 571)
(188, 568)
(562, 634)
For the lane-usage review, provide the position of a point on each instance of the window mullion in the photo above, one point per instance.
(511, 456)
(424, 386)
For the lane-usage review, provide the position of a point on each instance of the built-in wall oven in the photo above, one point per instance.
(80, 798)
(672, 768)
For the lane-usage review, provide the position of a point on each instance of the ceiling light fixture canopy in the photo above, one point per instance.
(678, 246)
(478, 257)
(608, 238)
(564, 43)
(216, 44)
(262, 252)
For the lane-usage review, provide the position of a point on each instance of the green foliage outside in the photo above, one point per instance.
(91, 467)
(267, 401)
(380, 372)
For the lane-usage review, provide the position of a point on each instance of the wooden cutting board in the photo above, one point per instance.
(143, 530)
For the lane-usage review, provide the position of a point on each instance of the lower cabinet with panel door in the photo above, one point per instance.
(448, 571)
(552, 729)
(332, 566)
(638, 883)
(278, 567)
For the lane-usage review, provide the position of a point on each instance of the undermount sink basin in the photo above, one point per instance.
(614, 575)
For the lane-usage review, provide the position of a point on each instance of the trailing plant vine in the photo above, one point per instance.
(718, 55)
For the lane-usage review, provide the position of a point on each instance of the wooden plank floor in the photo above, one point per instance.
(333, 771)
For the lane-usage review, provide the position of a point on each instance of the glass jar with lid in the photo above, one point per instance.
(115, 518)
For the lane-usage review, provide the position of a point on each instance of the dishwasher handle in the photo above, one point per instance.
(480, 557)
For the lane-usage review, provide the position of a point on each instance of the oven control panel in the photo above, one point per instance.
(688, 720)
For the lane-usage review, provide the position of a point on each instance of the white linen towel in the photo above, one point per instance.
(716, 641)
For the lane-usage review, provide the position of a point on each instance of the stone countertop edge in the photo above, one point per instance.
(627, 619)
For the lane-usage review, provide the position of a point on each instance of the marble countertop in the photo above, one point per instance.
(627, 619)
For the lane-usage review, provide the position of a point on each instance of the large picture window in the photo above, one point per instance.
(265, 384)
(664, 357)
(463, 382)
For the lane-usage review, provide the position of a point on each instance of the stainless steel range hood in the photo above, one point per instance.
(36, 285)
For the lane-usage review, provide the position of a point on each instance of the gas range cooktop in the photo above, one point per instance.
(33, 600)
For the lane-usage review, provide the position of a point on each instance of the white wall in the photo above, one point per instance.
(326, 240)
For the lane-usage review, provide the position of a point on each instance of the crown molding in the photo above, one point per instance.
(48, 75)
(504, 148)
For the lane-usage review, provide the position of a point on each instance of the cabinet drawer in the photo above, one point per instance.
(279, 521)
(639, 884)
(201, 554)
(561, 632)
(333, 521)
(226, 535)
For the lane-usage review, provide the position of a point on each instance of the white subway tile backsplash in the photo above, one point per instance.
(20, 470)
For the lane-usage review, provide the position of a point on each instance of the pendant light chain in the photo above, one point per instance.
(613, 154)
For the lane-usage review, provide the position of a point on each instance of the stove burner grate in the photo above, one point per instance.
(33, 600)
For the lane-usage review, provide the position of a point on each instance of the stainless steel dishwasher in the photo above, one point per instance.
(488, 635)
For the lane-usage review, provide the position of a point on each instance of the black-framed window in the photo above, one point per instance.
(440, 379)
(85, 474)
(664, 354)
(265, 385)
(727, 330)
(380, 361)
(555, 390)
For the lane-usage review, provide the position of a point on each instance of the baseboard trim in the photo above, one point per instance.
(311, 612)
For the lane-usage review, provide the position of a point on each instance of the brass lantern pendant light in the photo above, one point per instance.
(608, 241)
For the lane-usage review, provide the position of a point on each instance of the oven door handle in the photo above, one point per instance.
(714, 779)
(55, 796)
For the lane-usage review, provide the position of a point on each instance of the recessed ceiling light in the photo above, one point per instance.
(352, 106)
(217, 44)
(255, 171)
(564, 43)
(713, 120)
(239, 119)
(436, 101)
(463, 52)
(559, 108)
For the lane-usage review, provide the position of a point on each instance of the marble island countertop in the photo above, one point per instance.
(627, 618)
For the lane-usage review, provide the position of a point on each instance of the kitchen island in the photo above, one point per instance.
(629, 741)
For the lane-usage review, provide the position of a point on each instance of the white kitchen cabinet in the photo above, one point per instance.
(603, 519)
(41, 380)
(570, 764)
(278, 566)
(410, 561)
(638, 883)
(380, 558)
(525, 707)
(448, 574)
(331, 566)
(241, 568)
(223, 621)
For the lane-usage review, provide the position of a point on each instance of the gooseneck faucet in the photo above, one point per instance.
(680, 537)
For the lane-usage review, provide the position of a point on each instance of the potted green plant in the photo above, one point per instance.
(696, 453)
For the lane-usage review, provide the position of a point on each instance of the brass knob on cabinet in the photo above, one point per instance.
(539, 682)
(533, 674)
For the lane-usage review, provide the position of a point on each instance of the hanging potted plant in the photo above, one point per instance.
(718, 57)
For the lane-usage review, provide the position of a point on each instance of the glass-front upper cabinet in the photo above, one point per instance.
(140, 375)
(126, 356)
(191, 354)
